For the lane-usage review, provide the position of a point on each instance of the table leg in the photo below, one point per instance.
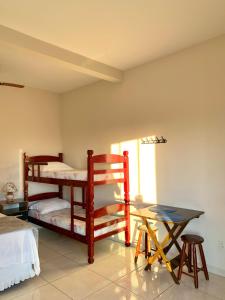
(159, 251)
(162, 249)
(174, 237)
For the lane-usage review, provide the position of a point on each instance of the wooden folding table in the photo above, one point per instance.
(175, 219)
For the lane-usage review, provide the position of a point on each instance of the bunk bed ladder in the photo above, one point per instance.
(72, 208)
(72, 203)
(126, 197)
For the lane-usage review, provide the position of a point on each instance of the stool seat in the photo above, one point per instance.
(192, 239)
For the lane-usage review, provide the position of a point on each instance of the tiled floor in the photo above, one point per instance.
(66, 275)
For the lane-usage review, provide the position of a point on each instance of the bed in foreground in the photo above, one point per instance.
(18, 251)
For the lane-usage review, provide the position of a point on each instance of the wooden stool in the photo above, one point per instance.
(147, 251)
(191, 241)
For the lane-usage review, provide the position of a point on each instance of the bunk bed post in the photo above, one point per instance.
(72, 209)
(60, 157)
(60, 191)
(60, 187)
(90, 208)
(25, 175)
(126, 198)
(84, 195)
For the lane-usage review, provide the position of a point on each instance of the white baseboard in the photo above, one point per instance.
(215, 270)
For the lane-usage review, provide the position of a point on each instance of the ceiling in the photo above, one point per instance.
(38, 71)
(120, 34)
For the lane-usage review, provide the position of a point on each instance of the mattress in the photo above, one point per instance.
(75, 174)
(61, 218)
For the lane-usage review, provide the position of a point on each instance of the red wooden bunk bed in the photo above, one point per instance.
(32, 173)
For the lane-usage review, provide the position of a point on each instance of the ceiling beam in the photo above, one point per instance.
(75, 61)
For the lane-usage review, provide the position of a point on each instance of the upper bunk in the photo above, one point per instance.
(51, 170)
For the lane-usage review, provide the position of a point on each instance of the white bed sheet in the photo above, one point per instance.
(18, 257)
(61, 218)
(75, 174)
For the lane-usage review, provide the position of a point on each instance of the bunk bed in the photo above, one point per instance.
(97, 223)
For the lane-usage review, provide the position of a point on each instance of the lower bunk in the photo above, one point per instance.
(108, 220)
(61, 218)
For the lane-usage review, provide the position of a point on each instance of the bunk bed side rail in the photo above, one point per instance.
(91, 214)
(109, 210)
(109, 223)
(30, 162)
(107, 234)
(109, 171)
(108, 158)
(44, 158)
(109, 181)
(43, 196)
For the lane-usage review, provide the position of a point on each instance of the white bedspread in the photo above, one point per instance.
(62, 218)
(18, 257)
(76, 175)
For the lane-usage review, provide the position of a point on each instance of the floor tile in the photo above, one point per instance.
(175, 292)
(46, 292)
(103, 249)
(130, 251)
(116, 265)
(65, 274)
(81, 284)
(47, 236)
(22, 288)
(215, 286)
(147, 284)
(113, 292)
(57, 268)
(67, 245)
(46, 254)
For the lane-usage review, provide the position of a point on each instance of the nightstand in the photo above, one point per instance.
(18, 208)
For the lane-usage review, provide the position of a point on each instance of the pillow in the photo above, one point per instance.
(55, 166)
(49, 205)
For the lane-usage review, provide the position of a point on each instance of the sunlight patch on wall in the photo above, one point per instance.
(142, 169)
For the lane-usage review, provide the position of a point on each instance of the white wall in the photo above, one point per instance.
(181, 97)
(29, 121)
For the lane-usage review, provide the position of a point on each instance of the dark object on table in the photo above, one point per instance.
(18, 208)
(191, 241)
